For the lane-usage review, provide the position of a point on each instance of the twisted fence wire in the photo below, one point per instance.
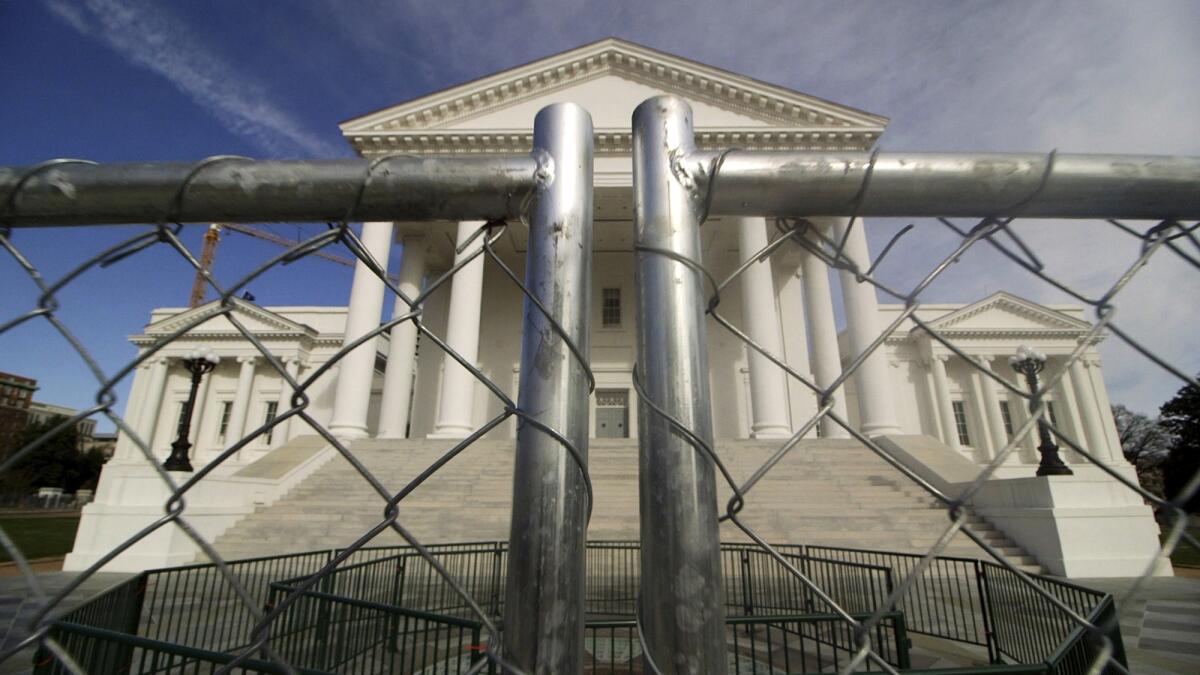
(166, 233)
(791, 233)
(804, 234)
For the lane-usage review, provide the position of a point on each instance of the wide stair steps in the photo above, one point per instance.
(828, 492)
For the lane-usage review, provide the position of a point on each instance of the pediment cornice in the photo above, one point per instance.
(1049, 321)
(795, 121)
(268, 323)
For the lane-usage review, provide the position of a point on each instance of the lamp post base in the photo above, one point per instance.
(178, 460)
(1051, 464)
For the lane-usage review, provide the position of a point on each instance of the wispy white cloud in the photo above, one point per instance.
(150, 37)
(1095, 76)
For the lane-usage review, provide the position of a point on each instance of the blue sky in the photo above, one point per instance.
(127, 80)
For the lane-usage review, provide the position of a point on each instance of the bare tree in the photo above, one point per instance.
(1146, 443)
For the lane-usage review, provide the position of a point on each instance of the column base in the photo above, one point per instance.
(772, 432)
(880, 430)
(348, 433)
(449, 433)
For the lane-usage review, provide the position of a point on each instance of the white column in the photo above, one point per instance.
(1096, 441)
(133, 410)
(357, 369)
(241, 399)
(456, 403)
(136, 411)
(991, 402)
(941, 387)
(768, 388)
(152, 404)
(1070, 420)
(874, 384)
(1104, 410)
(198, 413)
(398, 378)
(985, 444)
(1090, 410)
(785, 267)
(826, 363)
(291, 364)
(931, 394)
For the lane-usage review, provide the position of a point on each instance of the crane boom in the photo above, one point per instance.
(285, 242)
(209, 251)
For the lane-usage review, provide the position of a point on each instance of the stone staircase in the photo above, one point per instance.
(829, 492)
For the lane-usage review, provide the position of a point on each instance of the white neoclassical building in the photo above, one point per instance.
(408, 388)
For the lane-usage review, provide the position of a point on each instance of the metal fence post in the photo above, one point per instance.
(682, 611)
(544, 591)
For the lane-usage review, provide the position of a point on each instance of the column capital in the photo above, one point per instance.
(941, 357)
(1090, 361)
(248, 359)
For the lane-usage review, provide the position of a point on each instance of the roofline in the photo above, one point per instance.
(615, 41)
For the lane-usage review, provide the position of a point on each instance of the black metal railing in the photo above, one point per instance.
(387, 609)
(983, 603)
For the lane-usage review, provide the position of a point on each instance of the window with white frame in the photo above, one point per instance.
(960, 422)
(1006, 417)
(272, 409)
(610, 307)
(223, 426)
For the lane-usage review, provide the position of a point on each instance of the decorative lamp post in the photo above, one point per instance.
(198, 362)
(1029, 363)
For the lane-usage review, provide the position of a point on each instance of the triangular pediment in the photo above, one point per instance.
(610, 78)
(1004, 312)
(258, 320)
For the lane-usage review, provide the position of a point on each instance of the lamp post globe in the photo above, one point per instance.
(1029, 362)
(197, 361)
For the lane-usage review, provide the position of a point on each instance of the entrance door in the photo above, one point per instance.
(612, 413)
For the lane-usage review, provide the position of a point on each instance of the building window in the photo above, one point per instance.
(180, 421)
(272, 408)
(1006, 416)
(960, 421)
(610, 308)
(226, 411)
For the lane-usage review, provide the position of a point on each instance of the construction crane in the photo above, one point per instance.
(209, 251)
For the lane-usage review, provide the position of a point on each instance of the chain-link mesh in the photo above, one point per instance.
(1166, 238)
(1169, 235)
(338, 236)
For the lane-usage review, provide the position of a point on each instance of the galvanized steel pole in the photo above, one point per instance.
(914, 184)
(544, 596)
(681, 604)
(478, 188)
(244, 191)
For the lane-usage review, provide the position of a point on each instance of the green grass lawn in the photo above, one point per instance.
(40, 537)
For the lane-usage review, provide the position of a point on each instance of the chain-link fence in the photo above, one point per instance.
(678, 190)
(680, 618)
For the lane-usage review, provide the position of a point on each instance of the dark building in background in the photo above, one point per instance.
(16, 395)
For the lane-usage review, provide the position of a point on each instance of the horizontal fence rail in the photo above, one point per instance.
(238, 189)
(1058, 185)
